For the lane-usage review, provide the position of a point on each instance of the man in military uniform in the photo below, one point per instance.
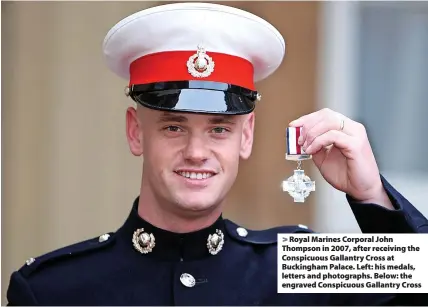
(191, 70)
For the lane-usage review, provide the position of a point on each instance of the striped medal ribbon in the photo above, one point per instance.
(294, 150)
(298, 186)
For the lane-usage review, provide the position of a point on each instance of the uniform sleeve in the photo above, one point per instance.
(373, 218)
(19, 292)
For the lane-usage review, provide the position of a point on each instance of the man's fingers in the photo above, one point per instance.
(320, 122)
(309, 121)
(306, 122)
(324, 126)
(332, 137)
(304, 119)
(312, 117)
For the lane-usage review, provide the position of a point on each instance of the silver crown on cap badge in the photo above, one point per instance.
(200, 65)
(143, 242)
(215, 242)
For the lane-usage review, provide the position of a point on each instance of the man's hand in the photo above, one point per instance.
(342, 153)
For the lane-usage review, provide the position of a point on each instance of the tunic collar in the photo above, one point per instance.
(151, 241)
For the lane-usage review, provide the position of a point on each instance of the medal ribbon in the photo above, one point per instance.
(293, 134)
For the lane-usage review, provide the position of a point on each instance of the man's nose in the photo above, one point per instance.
(196, 149)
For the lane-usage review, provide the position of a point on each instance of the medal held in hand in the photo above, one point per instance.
(299, 186)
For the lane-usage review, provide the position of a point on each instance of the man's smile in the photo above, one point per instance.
(196, 175)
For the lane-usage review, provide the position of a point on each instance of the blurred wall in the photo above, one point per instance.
(67, 171)
(364, 74)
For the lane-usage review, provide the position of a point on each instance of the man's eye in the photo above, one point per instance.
(173, 128)
(219, 130)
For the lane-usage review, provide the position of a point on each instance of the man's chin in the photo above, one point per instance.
(197, 203)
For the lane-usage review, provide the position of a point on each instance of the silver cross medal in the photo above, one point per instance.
(299, 186)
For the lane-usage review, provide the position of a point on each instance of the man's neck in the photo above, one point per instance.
(174, 220)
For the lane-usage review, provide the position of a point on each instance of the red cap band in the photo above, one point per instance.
(172, 66)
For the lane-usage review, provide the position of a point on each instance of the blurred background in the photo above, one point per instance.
(68, 174)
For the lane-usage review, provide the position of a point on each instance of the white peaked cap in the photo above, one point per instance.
(156, 45)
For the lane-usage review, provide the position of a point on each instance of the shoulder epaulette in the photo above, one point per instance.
(267, 236)
(94, 244)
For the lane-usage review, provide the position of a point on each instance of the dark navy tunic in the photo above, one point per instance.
(244, 272)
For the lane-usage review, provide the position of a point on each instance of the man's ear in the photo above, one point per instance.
(134, 132)
(247, 136)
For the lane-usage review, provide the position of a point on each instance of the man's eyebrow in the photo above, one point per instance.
(214, 120)
(222, 120)
(168, 117)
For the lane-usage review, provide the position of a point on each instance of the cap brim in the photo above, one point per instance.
(196, 101)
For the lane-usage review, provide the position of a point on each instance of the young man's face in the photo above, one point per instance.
(190, 160)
